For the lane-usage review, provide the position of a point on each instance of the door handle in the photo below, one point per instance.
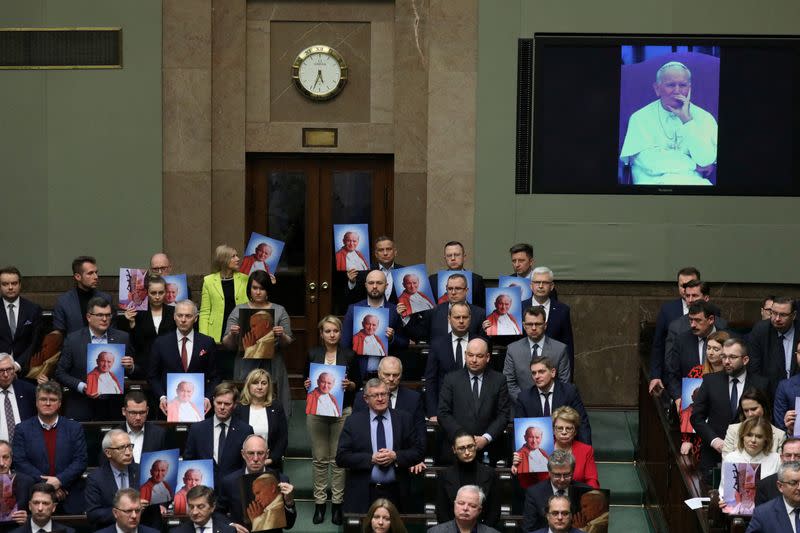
(312, 286)
(324, 286)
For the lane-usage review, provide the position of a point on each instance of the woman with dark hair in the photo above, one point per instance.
(382, 517)
(258, 287)
(155, 321)
(753, 403)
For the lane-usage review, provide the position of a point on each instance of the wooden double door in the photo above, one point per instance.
(298, 200)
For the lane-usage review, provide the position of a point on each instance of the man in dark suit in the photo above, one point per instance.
(467, 508)
(42, 505)
(69, 313)
(145, 436)
(186, 351)
(557, 314)
(475, 399)
(689, 349)
(694, 291)
(433, 323)
(517, 364)
(778, 514)
(561, 465)
(17, 396)
(127, 509)
(385, 252)
(254, 452)
(52, 448)
(21, 485)
(454, 257)
(375, 284)
(669, 311)
(559, 516)
(718, 399)
(71, 371)
(548, 394)
(446, 354)
(378, 470)
(21, 321)
(772, 342)
(767, 488)
(118, 472)
(522, 260)
(219, 437)
(201, 504)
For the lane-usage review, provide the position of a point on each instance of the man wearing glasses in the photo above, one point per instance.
(772, 342)
(559, 516)
(561, 465)
(127, 514)
(17, 396)
(71, 370)
(377, 447)
(50, 448)
(118, 472)
(767, 488)
(780, 514)
(433, 324)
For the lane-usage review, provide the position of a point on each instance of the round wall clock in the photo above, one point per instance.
(319, 72)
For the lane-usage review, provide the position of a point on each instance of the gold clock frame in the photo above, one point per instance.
(319, 49)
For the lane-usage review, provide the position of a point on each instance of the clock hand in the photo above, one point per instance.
(319, 78)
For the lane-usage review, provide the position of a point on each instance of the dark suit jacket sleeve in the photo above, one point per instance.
(60, 314)
(211, 370)
(278, 432)
(399, 339)
(520, 406)
(350, 454)
(66, 361)
(446, 417)
(419, 422)
(346, 340)
(22, 444)
(657, 351)
(77, 465)
(700, 412)
(532, 518)
(784, 401)
(96, 511)
(154, 373)
(766, 489)
(34, 335)
(410, 451)
(503, 413)
(672, 369)
(759, 344)
(432, 381)
(585, 430)
(192, 451)
(419, 324)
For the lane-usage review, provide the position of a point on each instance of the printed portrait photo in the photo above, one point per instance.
(191, 474)
(441, 284)
(524, 285)
(592, 505)
(106, 375)
(739, 481)
(133, 288)
(159, 471)
(258, 340)
(351, 245)
(325, 394)
(261, 253)
(177, 289)
(413, 289)
(185, 395)
(533, 441)
(505, 317)
(263, 502)
(689, 387)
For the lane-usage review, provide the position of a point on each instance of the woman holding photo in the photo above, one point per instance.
(324, 430)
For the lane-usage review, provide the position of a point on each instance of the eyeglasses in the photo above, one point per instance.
(780, 315)
(533, 324)
(560, 476)
(564, 429)
(6, 370)
(541, 283)
(120, 448)
(129, 512)
(468, 447)
(48, 400)
(101, 315)
(456, 289)
(378, 395)
(793, 483)
(731, 357)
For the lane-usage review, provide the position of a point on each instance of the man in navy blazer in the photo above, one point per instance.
(454, 257)
(166, 356)
(433, 323)
(559, 321)
(202, 504)
(207, 440)
(772, 342)
(52, 448)
(669, 311)
(385, 252)
(69, 313)
(118, 471)
(379, 471)
(779, 513)
(25, 315)
(42, 506)
(443, 355)
(712, 411)
(375, 284)
(561, 466)
(559, 516)
(125, 502)
(529, 403)
(71, 370)
(22, 396)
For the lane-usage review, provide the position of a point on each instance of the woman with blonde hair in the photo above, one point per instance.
(265, 414)
(222, 291)
(324, 431)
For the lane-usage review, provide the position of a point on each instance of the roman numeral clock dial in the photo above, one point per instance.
(319, 72)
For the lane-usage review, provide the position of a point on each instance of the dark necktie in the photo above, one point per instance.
(703, 350)
(459, 353)
(561, 492)
(475, 389)
(734, 397)
(221, 444)
(380, 437)
(546, 410)
(9, 415)
(535, 351)
(797, 519)
(12, 319)
(184, 354)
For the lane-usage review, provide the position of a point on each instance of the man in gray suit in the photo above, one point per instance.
(466, 508)
(694, 291)
(517, 366)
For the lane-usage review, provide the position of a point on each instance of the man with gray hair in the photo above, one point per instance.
(671, 141)
(18, 398)
(780, 514)
(561, 465)
(556, 313)
(185, 351)
(467, 509)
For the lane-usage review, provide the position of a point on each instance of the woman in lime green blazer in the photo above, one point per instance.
(222, 291)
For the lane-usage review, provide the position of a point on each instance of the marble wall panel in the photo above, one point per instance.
(186, 35)
(187, 226)
(228, 191)
(257, 78)
(410, 190)
(288, 137)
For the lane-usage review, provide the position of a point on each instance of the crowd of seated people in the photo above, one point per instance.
(366, 456)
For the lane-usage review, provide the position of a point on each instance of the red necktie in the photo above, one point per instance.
(184, 355)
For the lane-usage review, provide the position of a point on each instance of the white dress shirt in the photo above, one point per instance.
(12, 397)
(189, 345)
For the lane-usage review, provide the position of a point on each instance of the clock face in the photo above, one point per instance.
(319, 72)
